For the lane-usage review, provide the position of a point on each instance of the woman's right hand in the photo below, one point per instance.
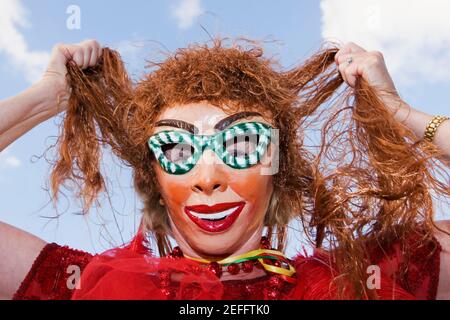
(49, 96)
(84, 54)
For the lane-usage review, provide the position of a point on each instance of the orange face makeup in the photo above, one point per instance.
(214, 210)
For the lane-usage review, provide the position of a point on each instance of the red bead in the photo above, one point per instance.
(169, 294)
(247, 266)
(164, 283)
(233, 268)
(215, 268)
(177, 253)
(265, 243)
(196, 269)
(275, 282)
(164, 276)
(277, 263)
(272, 294)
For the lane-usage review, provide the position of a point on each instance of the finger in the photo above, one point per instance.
(94, 57)
(78, 57)
(100, 52)
(88, 47)
(93, 49)
(344, 58)
(375, 57)
(62, 53)
(87, 51)
(341, 69)
(351, 74)
(350, 71)
(348, 48)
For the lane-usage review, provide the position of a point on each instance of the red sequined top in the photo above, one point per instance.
(122, 273)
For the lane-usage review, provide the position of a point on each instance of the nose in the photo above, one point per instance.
(208, 176)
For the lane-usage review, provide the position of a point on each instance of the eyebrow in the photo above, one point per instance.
(177, 124)
(221, 125)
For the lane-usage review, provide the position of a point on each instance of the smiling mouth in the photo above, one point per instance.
(216, 218)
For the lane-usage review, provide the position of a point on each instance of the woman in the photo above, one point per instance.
(215, 138)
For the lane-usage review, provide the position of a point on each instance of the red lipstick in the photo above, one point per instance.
(216, 218)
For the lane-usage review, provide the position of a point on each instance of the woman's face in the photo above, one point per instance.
(215, 210)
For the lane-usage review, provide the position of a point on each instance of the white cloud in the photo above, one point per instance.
(186, 12)
(8, 160)
(413, 35)
(13, 16)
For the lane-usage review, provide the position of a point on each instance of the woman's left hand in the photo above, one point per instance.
(353, 62)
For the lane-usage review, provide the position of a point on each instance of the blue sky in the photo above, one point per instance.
(415, 42)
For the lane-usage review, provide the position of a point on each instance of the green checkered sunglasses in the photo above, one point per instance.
(240, 146)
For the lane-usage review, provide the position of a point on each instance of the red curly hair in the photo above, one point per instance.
(369, 180)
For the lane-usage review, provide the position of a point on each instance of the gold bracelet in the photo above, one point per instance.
(432, 127)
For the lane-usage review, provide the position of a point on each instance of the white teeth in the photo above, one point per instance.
(214, 216)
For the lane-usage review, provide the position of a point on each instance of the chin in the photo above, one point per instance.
(217, 245)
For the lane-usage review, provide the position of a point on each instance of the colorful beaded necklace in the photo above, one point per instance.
(271, 260)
